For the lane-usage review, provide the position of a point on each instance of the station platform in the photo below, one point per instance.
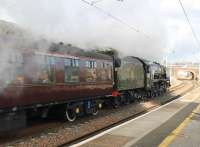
(187, 133)
(174, 124)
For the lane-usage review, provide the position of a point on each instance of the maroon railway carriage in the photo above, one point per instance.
(40, 80)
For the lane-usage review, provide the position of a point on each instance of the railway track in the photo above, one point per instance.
(176, 87)
(66, 134)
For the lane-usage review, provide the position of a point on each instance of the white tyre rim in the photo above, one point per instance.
(96, 111)
(70, 118)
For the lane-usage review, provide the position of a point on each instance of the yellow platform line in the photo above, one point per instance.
(177, 131)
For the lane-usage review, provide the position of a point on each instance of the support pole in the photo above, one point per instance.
(199, 73)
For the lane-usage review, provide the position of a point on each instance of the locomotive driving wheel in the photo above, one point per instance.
(95, 111)
(70, 115)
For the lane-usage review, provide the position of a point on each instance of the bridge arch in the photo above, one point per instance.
(185, 73)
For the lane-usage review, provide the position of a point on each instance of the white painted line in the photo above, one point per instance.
(125, 123)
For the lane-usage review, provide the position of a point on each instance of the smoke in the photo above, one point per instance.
(13, 42)
(75, 22)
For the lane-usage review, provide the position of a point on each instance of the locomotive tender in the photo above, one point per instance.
(138, 78)
(70, 82)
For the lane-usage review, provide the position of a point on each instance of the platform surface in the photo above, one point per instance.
(155, 127)
(187, 134)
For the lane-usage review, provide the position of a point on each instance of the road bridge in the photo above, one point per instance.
(185, 71)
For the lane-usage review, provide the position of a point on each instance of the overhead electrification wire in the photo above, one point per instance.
(190, 24)
(115, 18)
(94, 2)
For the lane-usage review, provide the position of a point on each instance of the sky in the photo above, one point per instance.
(162, 29)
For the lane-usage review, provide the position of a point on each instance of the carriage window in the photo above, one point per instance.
(91, 64)
(74, 62)
(67, 62)
(106, 71)
(51, 60)
(50, 67)
(90, 71)
(95, 64)
(109, 69)
(12, 68)
(77, 63)
(87, 64)
(71, 62)
(71, 70)
(40, 69)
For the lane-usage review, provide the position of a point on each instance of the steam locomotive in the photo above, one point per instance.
(71, 82)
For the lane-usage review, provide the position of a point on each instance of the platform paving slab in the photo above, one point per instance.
(190, 135)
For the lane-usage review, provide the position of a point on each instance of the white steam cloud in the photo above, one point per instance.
(75, 22)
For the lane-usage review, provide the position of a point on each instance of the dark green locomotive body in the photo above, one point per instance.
(136, 73)
(131, 74)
